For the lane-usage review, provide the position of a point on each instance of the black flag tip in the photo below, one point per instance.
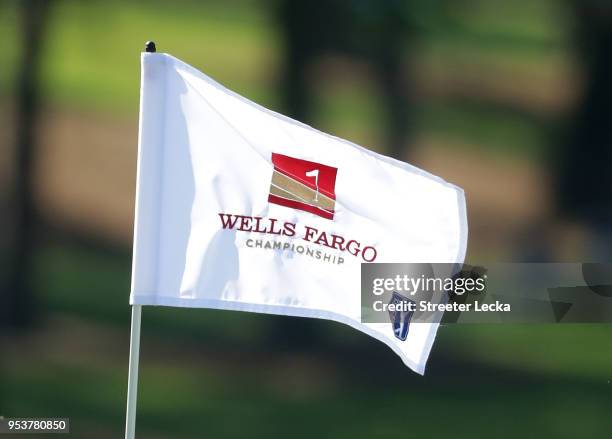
(150, 47)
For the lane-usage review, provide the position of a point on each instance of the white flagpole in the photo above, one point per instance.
(130, 416)
(132, 391)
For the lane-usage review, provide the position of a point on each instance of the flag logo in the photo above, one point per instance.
(400, 320)
(303, 185)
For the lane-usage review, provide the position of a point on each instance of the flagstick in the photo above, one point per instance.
(132, 391)
(130, 417)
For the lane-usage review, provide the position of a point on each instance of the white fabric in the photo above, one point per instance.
(204, 150)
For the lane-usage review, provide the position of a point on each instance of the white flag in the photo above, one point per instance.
(241, 208)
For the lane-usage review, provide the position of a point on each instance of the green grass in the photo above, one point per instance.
(9, 37)
(195, 399)
(92, 285)
(218, 374)
(485, 128)
(96, 285)
(92, 48)
(565, 350)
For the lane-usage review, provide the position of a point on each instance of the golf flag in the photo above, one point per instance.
(241, 208)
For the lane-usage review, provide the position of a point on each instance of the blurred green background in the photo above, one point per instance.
(494, 86)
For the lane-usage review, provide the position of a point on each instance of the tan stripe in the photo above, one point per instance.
(288, 196)
(289, 188)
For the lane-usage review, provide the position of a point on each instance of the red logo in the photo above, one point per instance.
(300, 184)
